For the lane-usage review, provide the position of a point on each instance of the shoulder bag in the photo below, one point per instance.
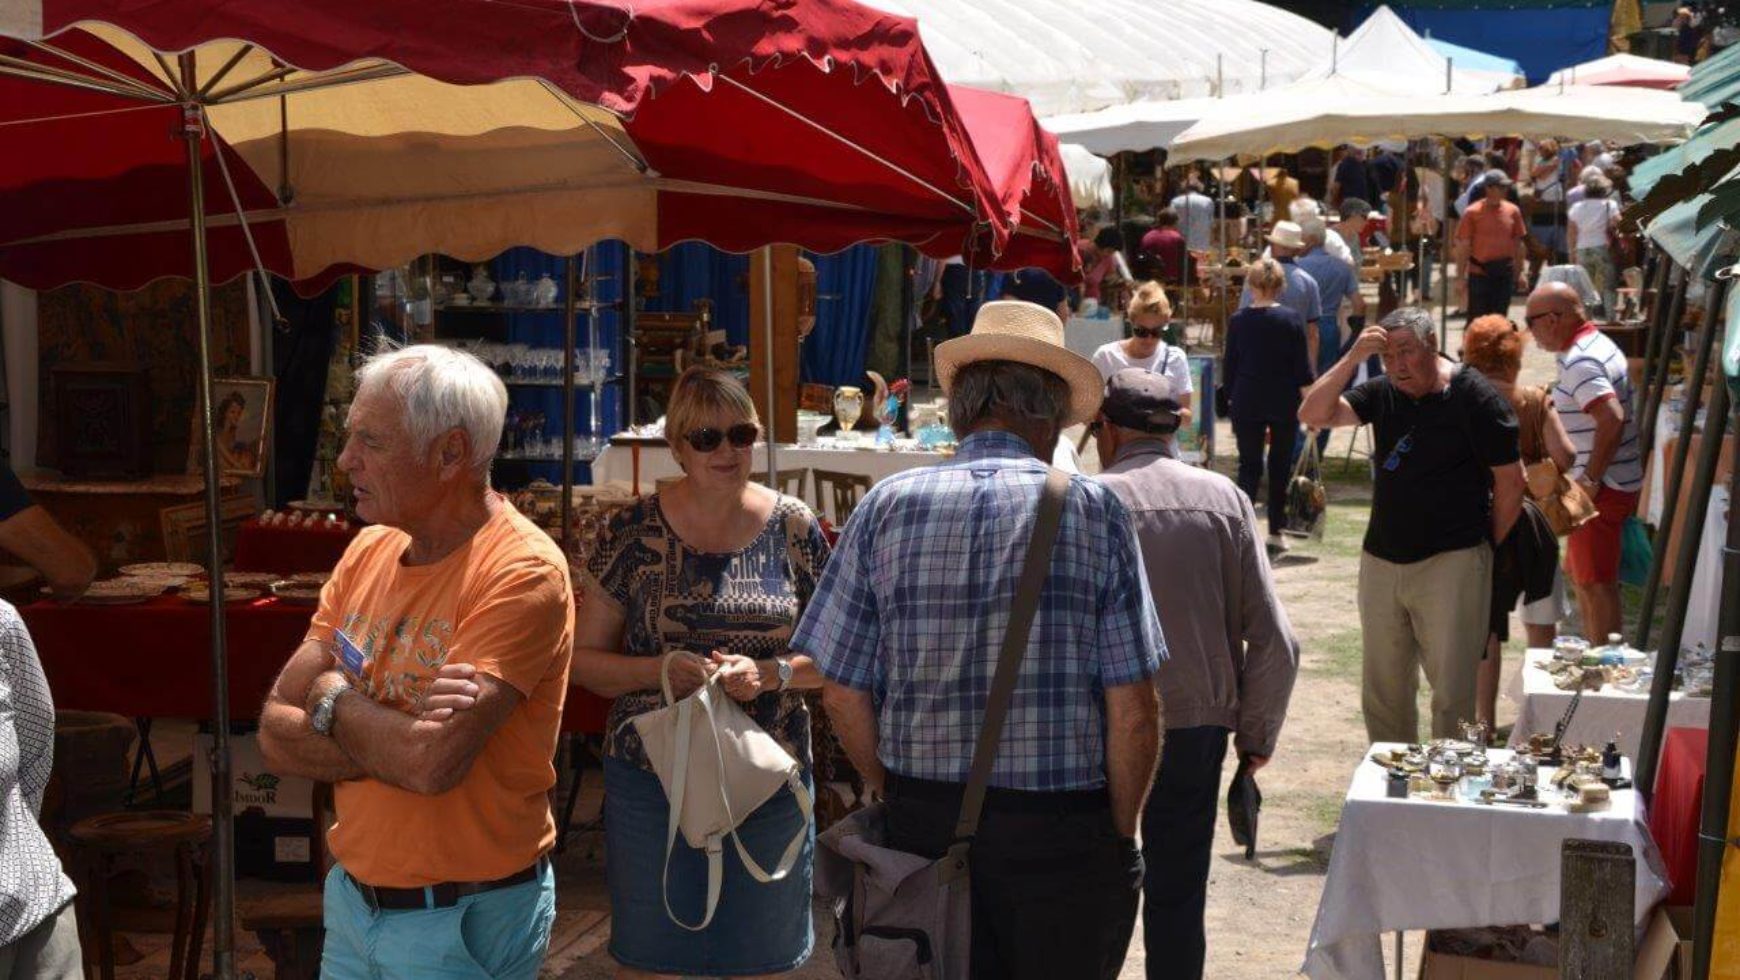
(902, 916)
(1566, 505)
(717, 766)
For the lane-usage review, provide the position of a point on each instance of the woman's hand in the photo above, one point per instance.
(688, 672)
(739, 675)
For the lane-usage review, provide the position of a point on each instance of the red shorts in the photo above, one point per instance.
(1592, 552)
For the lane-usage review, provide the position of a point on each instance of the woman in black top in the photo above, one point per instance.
(1267, 366)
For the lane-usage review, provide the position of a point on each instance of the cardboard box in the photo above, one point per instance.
(1666, 950)
(253, 786)
(1445, 966)
(274, 813)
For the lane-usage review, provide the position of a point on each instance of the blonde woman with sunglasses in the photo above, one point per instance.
(714, 570)
(1147, 314)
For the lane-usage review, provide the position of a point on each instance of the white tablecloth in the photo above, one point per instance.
(616, 465)
(1704, 604)
(1601, 715)
(1410, 864)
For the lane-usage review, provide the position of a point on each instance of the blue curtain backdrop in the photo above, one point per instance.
(696, 270)
(833, 354)
(1542, 37)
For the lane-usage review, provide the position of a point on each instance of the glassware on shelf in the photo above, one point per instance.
(481, 287)
(545, 291)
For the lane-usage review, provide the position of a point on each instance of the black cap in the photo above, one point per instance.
(1141, 400)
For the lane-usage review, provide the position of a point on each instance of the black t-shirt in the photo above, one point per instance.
(13, 498)
(1036, 286)
(1351, 175)
(1433, 493)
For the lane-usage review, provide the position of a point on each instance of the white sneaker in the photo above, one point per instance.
(1278, 542)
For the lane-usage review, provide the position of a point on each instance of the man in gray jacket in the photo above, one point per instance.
(1233, 655)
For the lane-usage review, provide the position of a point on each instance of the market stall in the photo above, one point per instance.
(1464, 856)
(1613, 710)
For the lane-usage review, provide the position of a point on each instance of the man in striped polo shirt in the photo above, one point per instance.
(1594, 397)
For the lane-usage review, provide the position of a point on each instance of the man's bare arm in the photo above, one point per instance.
(286, 740)
(422, 756)
(854, 716)
(44, 545)
(1132, 749)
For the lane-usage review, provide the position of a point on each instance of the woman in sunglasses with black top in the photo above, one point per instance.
(714, 572)
(1147, 315)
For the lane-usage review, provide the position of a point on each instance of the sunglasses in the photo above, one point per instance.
(1145, 333)
(1530, 320)
(741, 436)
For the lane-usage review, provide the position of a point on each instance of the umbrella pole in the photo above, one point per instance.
(570, 307)
(767, 341)
(1444, 255)
(223, 829)
(1719, 765)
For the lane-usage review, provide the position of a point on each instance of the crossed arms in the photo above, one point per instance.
(428, 753)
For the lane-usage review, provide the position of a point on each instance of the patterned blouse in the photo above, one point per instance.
(746, 602)
(32, 885)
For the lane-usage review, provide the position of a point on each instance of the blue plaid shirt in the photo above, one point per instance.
(913, 604)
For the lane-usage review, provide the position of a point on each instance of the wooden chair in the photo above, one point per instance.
(843, 489)
(790, 482)
(186, 838)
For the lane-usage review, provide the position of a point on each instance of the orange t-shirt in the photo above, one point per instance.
(1492, 232)
(503, 603)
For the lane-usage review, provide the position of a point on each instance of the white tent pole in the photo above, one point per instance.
(1449, 75)
(1335, 52)
(1219, 76)
(1444, 253)
(1221, 198)
(1263, 75)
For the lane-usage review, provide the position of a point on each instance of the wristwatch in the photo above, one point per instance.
(322, 718)
(783, 666)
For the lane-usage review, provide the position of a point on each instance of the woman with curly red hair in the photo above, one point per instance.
(1493, 346)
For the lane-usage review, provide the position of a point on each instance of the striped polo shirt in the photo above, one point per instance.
(1591, 369)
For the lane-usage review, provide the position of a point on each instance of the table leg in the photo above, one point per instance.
(634, 465)
(144, 758)
(1398, 954)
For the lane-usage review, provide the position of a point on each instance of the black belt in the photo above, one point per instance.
(441, 896)
(998, 798)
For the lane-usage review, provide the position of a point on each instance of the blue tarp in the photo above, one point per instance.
(1473, 60)
(1542, 37)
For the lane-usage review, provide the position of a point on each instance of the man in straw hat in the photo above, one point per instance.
(1301, 295)
(906, 626)
(1233, 655)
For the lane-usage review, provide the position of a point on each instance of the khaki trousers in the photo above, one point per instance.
(1430, 615)
(48, 952)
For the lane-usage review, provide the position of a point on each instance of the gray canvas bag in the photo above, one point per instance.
(901, 916)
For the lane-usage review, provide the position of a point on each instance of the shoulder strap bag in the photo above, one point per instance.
(1565, 504)
(717, 766)
(902, 916)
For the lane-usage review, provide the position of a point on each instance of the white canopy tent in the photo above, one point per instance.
(1579, 111)
(1623, 69)
(1384, 52)
(1383, 58)
(1090, 177)
(1066, 56)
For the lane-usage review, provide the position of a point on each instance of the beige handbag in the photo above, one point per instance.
(717, 766)
(1566, 504)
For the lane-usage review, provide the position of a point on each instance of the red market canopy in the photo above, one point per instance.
(358, 135)
(1026, 168)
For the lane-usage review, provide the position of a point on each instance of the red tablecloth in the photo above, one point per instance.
(1675, 810)
(290, 549)
(153, 660)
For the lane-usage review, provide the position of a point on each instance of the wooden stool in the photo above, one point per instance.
(290, 927)
(186, 837)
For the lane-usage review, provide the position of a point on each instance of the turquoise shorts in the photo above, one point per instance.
(502, 933)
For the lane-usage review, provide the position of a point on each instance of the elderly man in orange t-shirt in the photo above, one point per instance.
(429, 689)
(1490, 252)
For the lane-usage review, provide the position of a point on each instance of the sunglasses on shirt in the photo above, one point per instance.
(1145, 333)
(741, 436)
(1403, 447)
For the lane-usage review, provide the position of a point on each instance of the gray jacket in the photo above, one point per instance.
(1232, 652)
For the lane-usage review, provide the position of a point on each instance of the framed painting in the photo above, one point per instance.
(244, 427)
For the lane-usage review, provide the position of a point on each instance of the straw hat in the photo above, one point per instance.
(1287, 234)
(1027, 333)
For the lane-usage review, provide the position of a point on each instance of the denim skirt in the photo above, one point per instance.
(757, 928)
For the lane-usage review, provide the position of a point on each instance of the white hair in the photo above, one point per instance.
(442, 389)
(1302, 209)
(1315, 232)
